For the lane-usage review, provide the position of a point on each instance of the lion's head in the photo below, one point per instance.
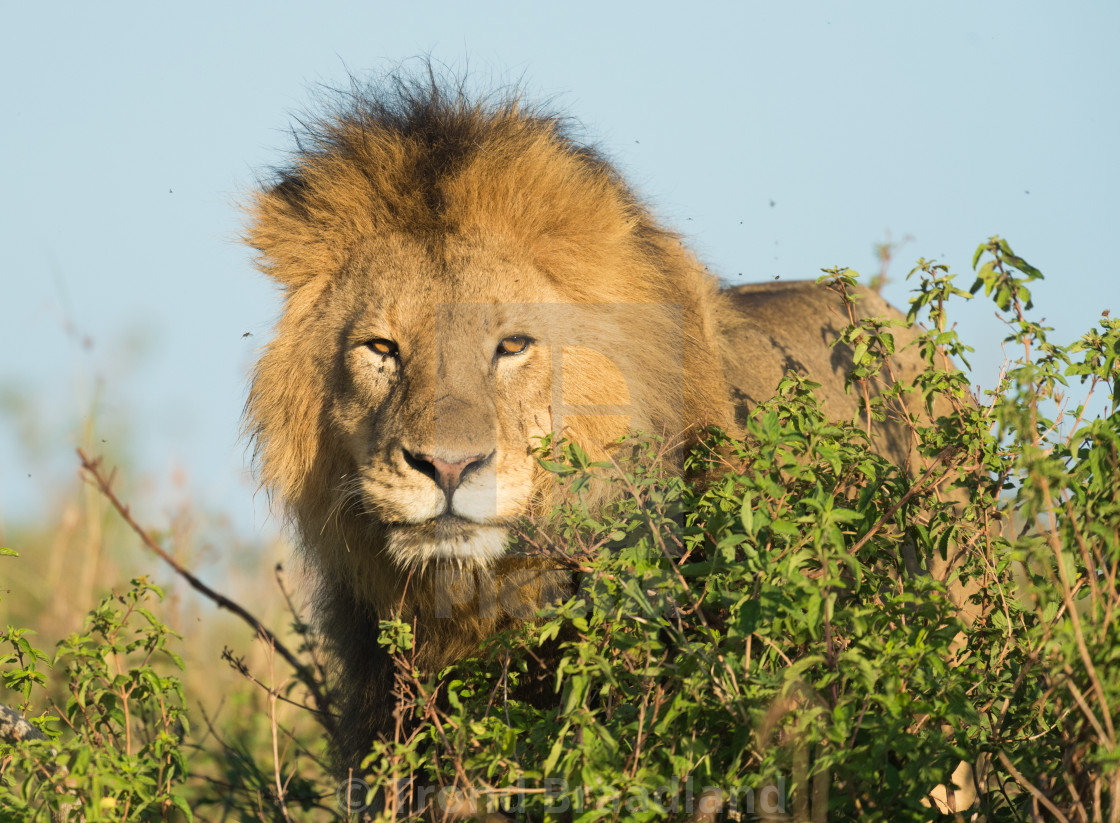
(459, 280)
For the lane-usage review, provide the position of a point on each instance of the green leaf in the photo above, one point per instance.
(181, 804)
(746, 513)
(784, 527)
(549, 765)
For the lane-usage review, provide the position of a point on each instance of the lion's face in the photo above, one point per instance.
(443, 387)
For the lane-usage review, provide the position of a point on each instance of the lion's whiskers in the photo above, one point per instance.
(347, 501)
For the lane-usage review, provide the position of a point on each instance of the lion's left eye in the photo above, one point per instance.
(386, 348)
(513, 345)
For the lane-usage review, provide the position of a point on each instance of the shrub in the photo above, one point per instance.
(114, 750)
(753, 636)
(748, 637)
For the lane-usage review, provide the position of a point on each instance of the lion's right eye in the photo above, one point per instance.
(513, 345)
(386, 348)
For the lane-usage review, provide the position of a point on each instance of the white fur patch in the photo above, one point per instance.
(465, 544)
(410, 505)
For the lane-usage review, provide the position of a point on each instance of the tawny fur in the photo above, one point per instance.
(444, 226)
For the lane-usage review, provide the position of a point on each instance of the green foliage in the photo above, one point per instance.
(780, 621)
(114, 750)
(753, 627)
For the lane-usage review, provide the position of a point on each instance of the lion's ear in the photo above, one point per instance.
(296, 245)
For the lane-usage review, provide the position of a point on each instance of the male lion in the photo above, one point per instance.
(461, 278)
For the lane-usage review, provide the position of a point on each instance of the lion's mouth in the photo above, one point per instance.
(446, 537)
(447, 526)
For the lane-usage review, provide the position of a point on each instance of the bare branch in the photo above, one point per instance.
(104, 484)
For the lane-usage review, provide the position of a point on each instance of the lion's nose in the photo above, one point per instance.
(447, 474)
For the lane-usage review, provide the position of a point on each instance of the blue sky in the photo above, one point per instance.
(779, 137)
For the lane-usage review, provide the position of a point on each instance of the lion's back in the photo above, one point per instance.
(769, 329)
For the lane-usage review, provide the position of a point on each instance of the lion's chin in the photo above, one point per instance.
(446, 538)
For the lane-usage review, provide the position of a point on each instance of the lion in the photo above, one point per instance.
(460, 279)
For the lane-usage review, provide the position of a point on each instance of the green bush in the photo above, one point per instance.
(751, 636)
(114, 749)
